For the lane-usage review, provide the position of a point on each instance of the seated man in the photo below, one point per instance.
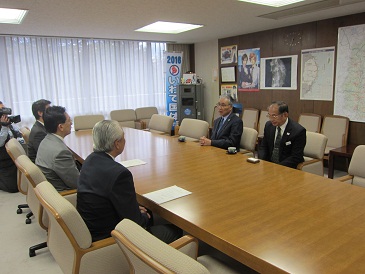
(284, 139)
(8, 170)
(53, 157)
(38, 131)
(227, 129)
(106, 194)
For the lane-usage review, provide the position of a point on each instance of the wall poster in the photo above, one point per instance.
(229, 54)
(249, 69)
(279, 72)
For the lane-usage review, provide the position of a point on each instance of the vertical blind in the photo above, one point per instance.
(87, 76)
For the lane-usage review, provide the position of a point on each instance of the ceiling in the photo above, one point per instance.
(117, 19)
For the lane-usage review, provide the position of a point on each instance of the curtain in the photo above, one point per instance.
(87, 76)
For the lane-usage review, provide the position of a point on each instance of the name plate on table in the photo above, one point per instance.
(166, 194)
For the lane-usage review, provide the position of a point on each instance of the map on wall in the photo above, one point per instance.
(350, 73)
(317, 72)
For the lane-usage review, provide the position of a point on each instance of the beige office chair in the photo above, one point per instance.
(215, 115)
(336, 128)
(262, 121)
(313, 153)
(193, 129)
(125, 117)
(25, 131)
(148, 254)
(69, 239)
(143, 116)
(356, 172)
(160, 124)
(87, 121)
(248, 141)
(250, 117)
(15, 149)
(310, 121)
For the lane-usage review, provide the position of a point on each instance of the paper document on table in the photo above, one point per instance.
(166, 194)
(134, 162)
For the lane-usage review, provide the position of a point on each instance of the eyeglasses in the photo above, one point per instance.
(273, 116)
(222, 105)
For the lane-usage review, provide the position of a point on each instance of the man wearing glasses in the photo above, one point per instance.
(284, 139)
(227, 129)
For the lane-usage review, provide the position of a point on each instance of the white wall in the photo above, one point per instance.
(206, 62)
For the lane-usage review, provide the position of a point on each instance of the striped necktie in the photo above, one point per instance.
(275, 153)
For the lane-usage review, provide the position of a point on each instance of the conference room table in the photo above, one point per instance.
(269, 217)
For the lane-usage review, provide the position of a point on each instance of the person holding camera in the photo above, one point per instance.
(8, 170)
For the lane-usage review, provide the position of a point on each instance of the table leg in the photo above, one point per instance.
(330, 165)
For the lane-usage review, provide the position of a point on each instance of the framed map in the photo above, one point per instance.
(317, 74)
(350, 73)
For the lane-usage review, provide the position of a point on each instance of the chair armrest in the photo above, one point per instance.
(301, 165)
(140, 124)
(345, 178)
(68, 192)
(187, 245)
(101, 243)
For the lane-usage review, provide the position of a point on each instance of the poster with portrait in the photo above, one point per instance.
(279, 72)
(230, 90)
(249, 69)
(229, 54)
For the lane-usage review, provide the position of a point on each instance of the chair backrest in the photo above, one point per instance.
(15, 149)
(87, 121)
(67, 231)
(33, 175)
(125, 117)
(250, 117)
(145, 112)
(315, 146)
(356, 167)
(215, 115)
(248, 139)
(148, 254)
(310, 121)
(193, 129)
(336, 128)
(25, 132)
(262, 121)
(161, 123)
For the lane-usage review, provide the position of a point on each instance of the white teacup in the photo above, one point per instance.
(181, 139)
(232, 150)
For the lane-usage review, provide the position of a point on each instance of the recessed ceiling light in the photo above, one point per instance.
(272, 3)
(12, 16)
(168, 27)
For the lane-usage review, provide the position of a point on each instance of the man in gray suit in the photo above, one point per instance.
(54, 158)
(38, 131)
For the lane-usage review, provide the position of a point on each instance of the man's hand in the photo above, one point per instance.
(204, 141)
(144, 210)
(4, 120)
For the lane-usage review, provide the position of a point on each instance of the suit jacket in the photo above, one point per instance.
(230, 133)
(292, 144)
(106, 195)
(37, 134)
(57, 163)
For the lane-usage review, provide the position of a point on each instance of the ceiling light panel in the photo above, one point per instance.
(168, 27)
(272, 3)
(12, 16)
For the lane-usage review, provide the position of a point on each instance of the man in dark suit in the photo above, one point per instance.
(53, 157)
(38, 131)
(284, 139)
(106, 194)
(227, 129)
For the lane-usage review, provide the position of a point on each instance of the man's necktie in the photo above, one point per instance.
(221, 122)
(275, 152)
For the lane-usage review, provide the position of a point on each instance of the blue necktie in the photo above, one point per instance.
(221, 122)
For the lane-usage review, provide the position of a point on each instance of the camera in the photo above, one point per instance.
(12, 119)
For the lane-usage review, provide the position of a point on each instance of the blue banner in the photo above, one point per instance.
(173, 72)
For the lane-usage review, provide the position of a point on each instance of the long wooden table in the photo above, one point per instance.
(271, 218)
